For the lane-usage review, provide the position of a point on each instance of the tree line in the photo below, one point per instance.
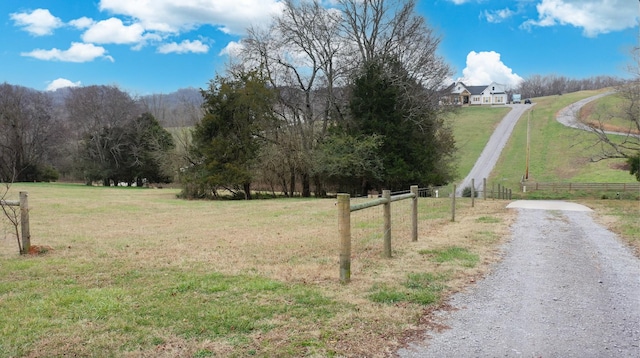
(551, 85)
(97, 133)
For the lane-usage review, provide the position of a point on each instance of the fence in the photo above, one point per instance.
(526, 186)
(344, 224)
(23, 203)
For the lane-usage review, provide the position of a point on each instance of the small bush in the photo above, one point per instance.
(466, 192)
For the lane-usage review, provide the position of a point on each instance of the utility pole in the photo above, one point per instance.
(526, 173)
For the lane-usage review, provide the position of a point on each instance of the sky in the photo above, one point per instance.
(160, 46)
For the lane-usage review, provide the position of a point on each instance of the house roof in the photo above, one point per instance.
(473, 90)
(476, 90)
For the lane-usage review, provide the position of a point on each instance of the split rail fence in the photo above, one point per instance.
(530, 186)
(344, 224)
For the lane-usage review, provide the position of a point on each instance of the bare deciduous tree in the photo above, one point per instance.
(626, 144)
(311, 53)
(99, 113)
(28, 132)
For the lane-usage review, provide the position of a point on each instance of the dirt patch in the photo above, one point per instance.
(36, 250)
(611, 127)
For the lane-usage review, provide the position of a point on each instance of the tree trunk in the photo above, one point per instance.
(306, 185)
(292, 184)
(247, 191)
(320, 192)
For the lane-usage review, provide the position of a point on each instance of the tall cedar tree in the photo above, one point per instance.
(230, 135)
(416, 144)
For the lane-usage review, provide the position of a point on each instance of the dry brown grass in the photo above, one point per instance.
(292, 241)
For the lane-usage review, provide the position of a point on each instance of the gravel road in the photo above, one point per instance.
(566, 287)
(491, 152)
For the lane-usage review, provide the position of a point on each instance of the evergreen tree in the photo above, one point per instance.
(416, 143)
(227, 140)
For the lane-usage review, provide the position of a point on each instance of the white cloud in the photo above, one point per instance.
(39, 22)
(61, 83)
(593, 16)
(486, 67)
(232, 49)
(82, 23)
(231, 16)
(497, 16)
(185, 46)
(78, 52)
(113, 31)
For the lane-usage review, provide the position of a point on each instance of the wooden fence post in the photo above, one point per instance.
(344, 226)
(473, 192)
(484, 188)
(414, 213)
(24, 222)
(453, 204)
(386, 194)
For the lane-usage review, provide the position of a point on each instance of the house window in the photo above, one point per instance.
(487, 100)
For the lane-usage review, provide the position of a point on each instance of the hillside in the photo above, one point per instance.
(558, 153)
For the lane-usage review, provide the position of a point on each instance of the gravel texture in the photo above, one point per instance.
(566, 287)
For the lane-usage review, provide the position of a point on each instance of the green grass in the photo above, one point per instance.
(454, 254)
(606, 110)
(472, 127)
(134, 272)
(422, 288)
(557, 153)
(488, 220)
(120, 307)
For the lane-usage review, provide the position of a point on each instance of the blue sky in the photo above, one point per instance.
(159, 46)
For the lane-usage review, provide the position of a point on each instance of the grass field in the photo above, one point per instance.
(139, 273)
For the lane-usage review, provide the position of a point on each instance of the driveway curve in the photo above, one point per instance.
(568, 116)
(491, 152)
(566, 287)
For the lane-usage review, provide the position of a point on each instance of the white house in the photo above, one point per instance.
(491, 94)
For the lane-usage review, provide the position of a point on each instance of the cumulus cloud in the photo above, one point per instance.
(231, 16)
(486, 67)
(497, 16)
(185, 46)
(38, 22)
(61, 83)
(113, 31)
(232, 49)
(78, 52)
(82, 23)
(593, 16)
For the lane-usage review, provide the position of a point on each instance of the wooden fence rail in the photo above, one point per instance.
(530, 186)
(344, 224)
(23, 203)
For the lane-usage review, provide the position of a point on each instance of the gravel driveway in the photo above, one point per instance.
(566, 287)
(491, 152)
